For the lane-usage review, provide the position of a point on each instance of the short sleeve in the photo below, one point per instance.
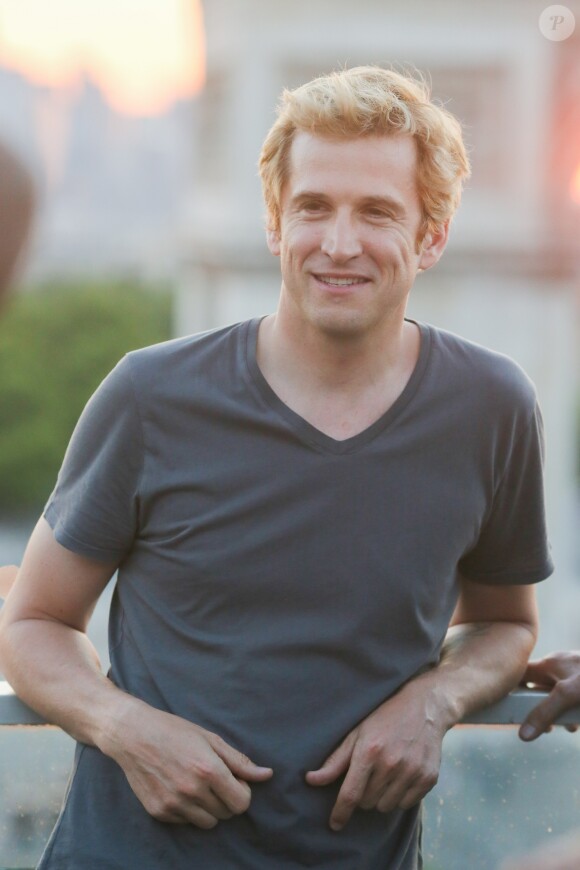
(94, 507)
(513, 545)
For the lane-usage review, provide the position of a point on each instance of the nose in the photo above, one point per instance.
(341, 241)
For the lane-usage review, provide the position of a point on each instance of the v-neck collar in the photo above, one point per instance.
(309, 433)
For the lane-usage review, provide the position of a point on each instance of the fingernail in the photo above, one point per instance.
(527, 732)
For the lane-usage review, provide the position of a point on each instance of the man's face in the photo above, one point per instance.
(349, 226)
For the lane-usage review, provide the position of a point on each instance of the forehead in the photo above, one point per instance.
(372, 165)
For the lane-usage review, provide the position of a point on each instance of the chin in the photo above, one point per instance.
(341, 324)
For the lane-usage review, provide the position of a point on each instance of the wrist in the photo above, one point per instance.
(443, 707)
(120, 714)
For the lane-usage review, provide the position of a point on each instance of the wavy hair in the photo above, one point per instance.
(368, 100)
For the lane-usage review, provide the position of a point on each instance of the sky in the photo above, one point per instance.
(144, 54)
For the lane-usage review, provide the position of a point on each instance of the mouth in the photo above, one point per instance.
(341, 281)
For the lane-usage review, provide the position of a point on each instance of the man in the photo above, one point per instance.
(297, 506)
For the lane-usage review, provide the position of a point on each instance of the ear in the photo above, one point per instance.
(433, 246)
(273, 241)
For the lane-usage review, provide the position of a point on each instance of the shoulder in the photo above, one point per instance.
(491, 377)
(186, 350)
(193, 357)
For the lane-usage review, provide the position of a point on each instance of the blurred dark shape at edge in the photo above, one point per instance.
(17, 203)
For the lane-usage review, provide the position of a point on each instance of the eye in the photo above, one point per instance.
(312, 206)
(378, 213)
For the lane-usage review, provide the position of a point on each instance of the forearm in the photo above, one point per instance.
(392, 757)
(179, 771)
(55, 670)
(480, 663)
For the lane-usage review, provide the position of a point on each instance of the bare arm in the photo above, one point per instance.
(392, 758)
(7, 577)
(559, 673)
(179, 771)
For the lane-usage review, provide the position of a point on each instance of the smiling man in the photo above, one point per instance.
(299, 508)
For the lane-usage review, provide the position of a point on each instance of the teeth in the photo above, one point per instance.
(341, 282)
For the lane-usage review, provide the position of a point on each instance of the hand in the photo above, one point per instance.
(391, 759)
(180, 772)
(559, 672)
(7, 577)
(562, 854)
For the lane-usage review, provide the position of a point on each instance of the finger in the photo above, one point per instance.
(191, 814)
(231, 789)
(198, 816)
(233, 793)
(335, 765)
(214, 805)
(238, 763)
(351, 794)
(571, 728)
(553, 668)
(376, 787)
(536, 668)
(541, 717)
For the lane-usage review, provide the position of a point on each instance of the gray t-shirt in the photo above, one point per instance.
(276, 585)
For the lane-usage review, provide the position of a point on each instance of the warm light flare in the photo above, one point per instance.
(575, 186)
(144, 54)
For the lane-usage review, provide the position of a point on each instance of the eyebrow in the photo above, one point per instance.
(380, 201)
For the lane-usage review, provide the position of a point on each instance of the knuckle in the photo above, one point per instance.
(349, 798)
(204, 770)
(206, 822)
(242, 803)
(164, 810)
(429, 781)
(367, 804)
(393, 763)
(564, 691)
(374, 750)
(186, 788)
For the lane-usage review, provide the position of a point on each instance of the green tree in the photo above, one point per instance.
(56, 345)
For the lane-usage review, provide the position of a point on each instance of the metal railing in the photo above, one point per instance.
(15, 716)
(511, 710)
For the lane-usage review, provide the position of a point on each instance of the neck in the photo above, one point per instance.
(310, 359)
(341, 388)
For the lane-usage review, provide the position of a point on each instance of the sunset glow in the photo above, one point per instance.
(143, 53)
(575, 186)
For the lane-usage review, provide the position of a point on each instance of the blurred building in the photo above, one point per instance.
(509, 278)
(110, 185)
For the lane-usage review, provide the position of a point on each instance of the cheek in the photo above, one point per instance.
(301, 243)
(396, 246)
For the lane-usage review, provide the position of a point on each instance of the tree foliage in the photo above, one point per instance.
(56, 345)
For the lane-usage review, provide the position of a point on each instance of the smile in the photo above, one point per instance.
(340, 282)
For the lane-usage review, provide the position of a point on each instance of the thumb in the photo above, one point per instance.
(541, 717)
(239, 764)
(336, 764)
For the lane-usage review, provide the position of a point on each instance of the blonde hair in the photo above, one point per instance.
(362, 101)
